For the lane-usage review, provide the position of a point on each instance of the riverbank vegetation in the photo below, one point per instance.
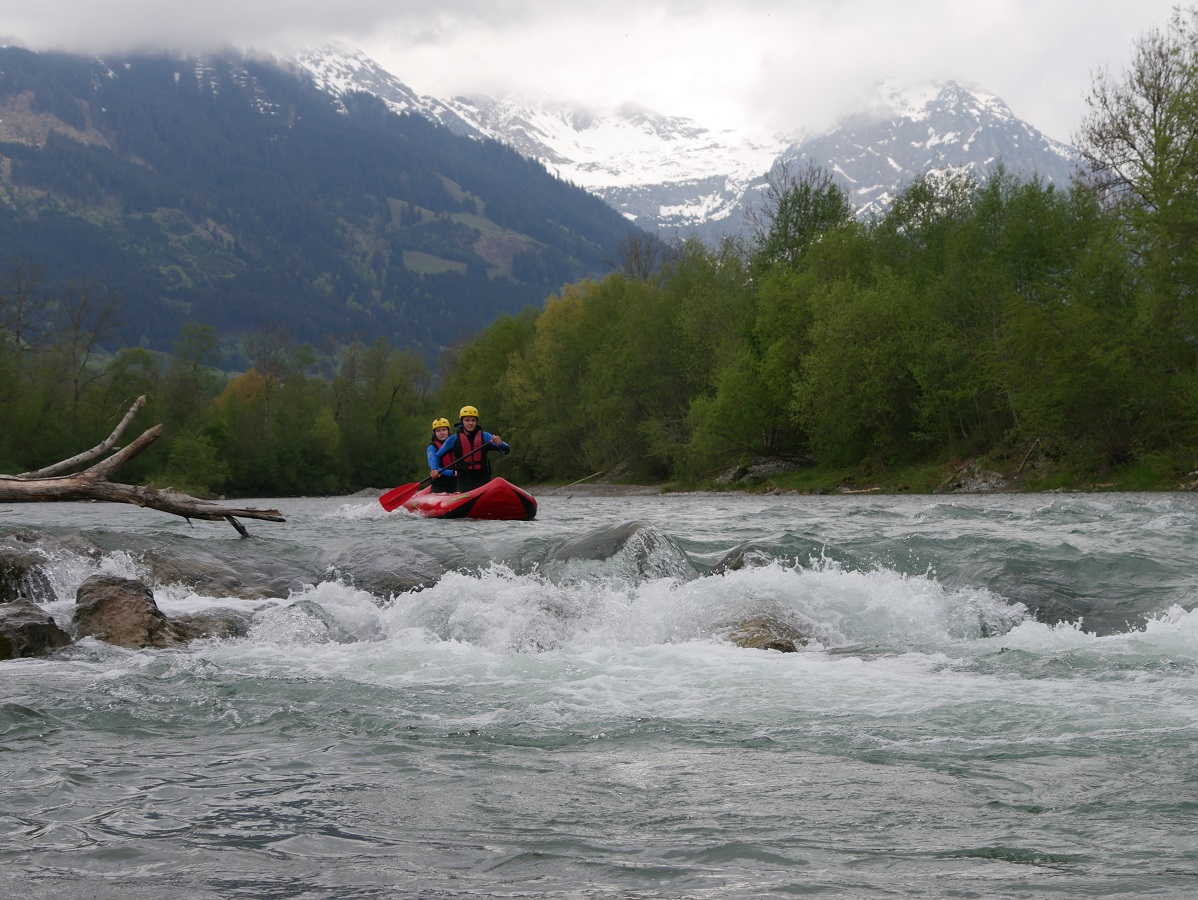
(1047, 333)
(1009, 321)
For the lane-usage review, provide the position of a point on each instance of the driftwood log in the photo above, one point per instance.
(46, 485)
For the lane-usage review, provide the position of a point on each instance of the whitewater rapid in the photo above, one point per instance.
(997, 698)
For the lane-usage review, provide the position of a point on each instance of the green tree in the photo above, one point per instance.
(854, 393)
(479, 373)
(194, 466)
(797, 209)
(191, 383)
(1140, 139)
(544, 402)
(380, 397)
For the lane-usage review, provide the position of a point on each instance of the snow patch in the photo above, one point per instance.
(670, 171)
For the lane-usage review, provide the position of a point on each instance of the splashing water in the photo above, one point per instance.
(997, 698)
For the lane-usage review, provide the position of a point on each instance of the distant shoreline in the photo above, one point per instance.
(591, 489)
(598, 490)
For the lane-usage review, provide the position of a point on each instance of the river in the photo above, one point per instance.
(999, 699)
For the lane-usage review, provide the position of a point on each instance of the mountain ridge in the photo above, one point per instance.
(932, 129)
(658, 170)
(227, 189)
(673, 175)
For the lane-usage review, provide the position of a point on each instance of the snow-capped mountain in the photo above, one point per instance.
(338, 71)
(664, 172)
(675, 176)
(924, 130)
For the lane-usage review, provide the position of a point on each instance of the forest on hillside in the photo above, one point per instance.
(234, 192)
(971, 319)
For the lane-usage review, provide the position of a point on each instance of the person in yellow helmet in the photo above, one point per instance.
(441, 470)
(470, 446)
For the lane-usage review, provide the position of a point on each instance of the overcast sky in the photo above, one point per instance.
(737, 63)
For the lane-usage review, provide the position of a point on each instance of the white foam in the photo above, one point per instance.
(1170, 636)
(357, 511)
(497, 647)
(505, 612)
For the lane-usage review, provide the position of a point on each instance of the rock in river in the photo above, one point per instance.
(28, 630)
(387, 574)
(122, 611)
(633, 551)
(765, 632)
(24, 557)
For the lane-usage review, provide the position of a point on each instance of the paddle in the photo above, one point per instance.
(398, 496)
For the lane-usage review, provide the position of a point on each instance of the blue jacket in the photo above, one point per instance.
(452, 441)
(434, 460)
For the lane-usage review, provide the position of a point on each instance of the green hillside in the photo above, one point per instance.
(231, 192)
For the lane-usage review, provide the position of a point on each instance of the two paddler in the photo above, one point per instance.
(460, 459)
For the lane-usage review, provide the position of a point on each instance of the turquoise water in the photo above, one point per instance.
(999, 700)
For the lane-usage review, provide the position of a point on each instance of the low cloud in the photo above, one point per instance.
(765, 64)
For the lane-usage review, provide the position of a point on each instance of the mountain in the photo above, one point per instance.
(663, 172)
(246, 193)
(234, 191)
(673, 175)
(339, 71)
(927, 130)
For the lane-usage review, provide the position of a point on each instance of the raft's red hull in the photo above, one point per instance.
(497, 499)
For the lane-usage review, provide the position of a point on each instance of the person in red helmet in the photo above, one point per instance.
(470, 446)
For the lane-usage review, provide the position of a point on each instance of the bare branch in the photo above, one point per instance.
(92, 484)
(642, 256)
(106, 467)
(1138, 137)
(98, 450)
(82, 487)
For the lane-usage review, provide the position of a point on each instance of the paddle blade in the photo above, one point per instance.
(398, 496)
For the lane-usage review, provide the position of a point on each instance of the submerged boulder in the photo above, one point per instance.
(744, 556)
(602, 543)
(28, 630)
(122, 611)
(633, 550)
(222, 573)
(218, 623)
(385, 574)
(765, 632)
(304, 621)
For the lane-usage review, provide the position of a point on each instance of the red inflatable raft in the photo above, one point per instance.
(497, 499)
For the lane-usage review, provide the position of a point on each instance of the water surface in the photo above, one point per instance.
(998, 700)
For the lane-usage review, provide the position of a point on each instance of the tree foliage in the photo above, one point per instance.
(1140, 138)
(970, 318)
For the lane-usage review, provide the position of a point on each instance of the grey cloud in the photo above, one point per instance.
(787, 63)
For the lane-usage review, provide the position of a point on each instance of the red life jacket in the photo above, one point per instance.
(475, 462)
(448, 458)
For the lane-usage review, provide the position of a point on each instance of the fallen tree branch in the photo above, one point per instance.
(98, 450)
(106, 467)
(588, 478)
(1027, 456)
(93, 484)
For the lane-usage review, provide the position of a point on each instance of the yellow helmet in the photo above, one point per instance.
(440, 423)
(468, 411)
